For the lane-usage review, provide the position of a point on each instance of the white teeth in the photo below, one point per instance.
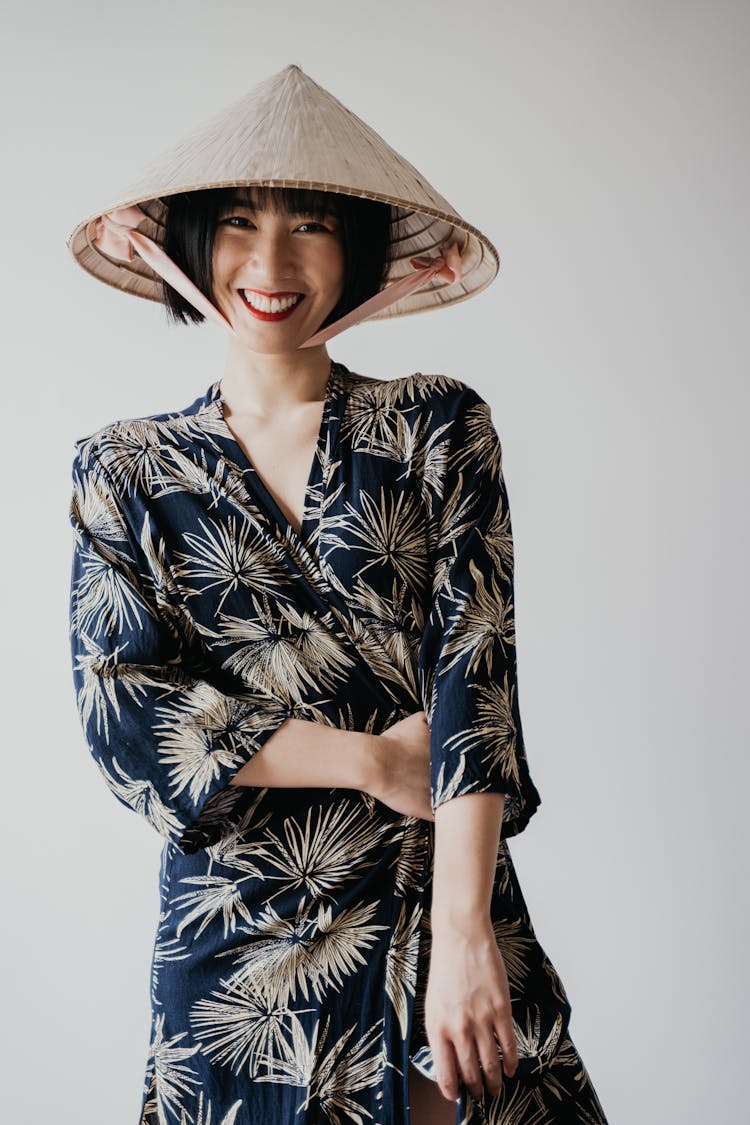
(270, 304)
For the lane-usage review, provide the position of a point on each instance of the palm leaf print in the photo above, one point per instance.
(201, 732)
(215, 894)
(138, 458)
(514, 1105)
(497, 540)
(141, 796)
(227, 557)
(166, 950)
(496, 727)
(391, 677)
(278, 648)
(243, 1027)
(320, 857)
(175, 1078)
(435, 461)
(515, 944)
(391, 532)
(567, 1077)
(333, 1078)
(449, 782)
(92, 507)
(392, 436)
(401, 964)
(557, 987)
(373, 424)
(166, 592)
(492, 737)
(481, 446)
(205, 1114)
(414, 856)
(312, 950)
(530, 1041)
(395, 618)
(238, 848)
(504, 870)
(94, 690)
(486, 620)
(294, 1061)
(105, 599)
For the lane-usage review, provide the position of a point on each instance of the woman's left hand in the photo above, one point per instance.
(467, 1004)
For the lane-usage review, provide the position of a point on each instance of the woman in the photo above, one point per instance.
(293, 652)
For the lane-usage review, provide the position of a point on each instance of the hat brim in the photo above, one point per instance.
(415, 233)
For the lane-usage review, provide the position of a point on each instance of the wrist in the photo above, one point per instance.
(460, 921)
(366, 762)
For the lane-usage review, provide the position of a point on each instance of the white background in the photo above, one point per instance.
(603, 148)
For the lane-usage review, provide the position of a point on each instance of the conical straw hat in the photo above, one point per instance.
(290, 132)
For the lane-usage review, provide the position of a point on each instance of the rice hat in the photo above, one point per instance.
(289, 132)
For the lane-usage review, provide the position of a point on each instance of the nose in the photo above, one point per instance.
(272, 261)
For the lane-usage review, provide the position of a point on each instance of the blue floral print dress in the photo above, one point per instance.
(291, 954)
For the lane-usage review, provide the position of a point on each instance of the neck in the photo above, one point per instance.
(268, 384)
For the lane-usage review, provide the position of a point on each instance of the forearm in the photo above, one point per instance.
(467, 834)
(302, 754)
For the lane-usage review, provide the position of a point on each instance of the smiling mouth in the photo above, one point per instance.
(278, 307)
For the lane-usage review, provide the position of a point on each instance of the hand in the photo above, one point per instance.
(467, 1004)
(402, 767)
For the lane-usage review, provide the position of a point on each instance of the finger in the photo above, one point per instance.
(489, 1058)
(445, 1067)
(507, 1037)
(468, 1065)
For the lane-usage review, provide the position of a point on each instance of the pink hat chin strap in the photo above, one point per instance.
(113, 233)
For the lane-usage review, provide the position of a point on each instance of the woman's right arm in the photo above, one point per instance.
(169, 744)
(303, 754)
(393, 766)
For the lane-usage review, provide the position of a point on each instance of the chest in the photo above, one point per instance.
(282, 455)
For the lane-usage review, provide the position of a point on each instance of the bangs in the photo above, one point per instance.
(306, 202)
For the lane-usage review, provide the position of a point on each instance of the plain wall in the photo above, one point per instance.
(603, 148)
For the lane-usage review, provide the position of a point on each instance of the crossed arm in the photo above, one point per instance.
(467, 1005)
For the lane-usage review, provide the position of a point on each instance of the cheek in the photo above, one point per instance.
(222, 255)
(335, 263)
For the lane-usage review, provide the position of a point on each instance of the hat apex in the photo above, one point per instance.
(288, 129)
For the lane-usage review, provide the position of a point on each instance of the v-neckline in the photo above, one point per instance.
(310, 511)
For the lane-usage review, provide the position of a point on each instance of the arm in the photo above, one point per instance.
(481, 786)
(467, 656)
(312, 755)
(467, 1005)
(467, 834)
(167, 741)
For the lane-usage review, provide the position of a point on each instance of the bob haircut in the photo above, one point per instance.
(191, 223)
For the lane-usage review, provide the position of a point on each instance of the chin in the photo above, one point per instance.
(279, 348)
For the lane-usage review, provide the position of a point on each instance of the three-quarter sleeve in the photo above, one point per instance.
(467, 656)
(167, 741)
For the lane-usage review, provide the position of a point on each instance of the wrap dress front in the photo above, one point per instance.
(292, 948)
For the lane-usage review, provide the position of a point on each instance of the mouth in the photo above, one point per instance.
(278, 307)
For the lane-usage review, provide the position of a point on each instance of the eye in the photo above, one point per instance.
(235, 219)
(241, 222)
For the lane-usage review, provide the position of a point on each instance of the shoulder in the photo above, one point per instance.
(443, 394)
(90, 451)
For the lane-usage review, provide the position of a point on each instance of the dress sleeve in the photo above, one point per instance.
(167, 741)
(467, 656)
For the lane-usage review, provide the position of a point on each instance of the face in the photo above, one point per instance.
(276, 276)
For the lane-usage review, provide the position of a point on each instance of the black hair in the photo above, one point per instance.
(192, 219)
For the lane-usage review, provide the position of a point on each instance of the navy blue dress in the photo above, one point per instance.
(291, 954)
